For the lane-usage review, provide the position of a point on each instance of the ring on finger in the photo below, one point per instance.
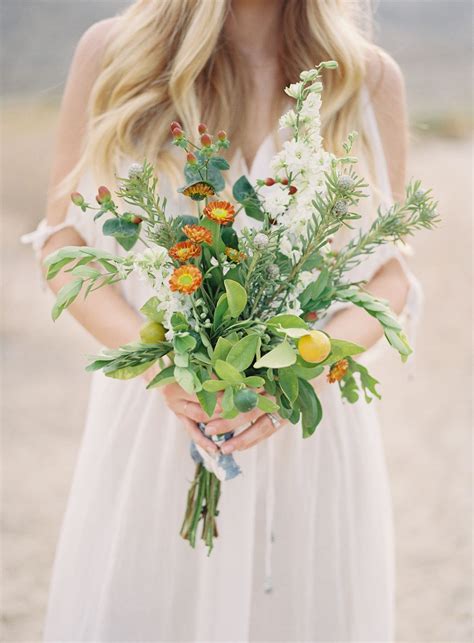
(276, 420)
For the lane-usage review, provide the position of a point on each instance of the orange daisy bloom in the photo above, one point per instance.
(199, 191)
(338, 370)
(184, 250)
(186, 279)
(235, 255)
(198, 233)
(220, 211)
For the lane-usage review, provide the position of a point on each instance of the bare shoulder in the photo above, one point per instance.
(90, 49)
(386, 86)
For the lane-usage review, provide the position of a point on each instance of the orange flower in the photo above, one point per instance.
(186, 279)
(184, 250)
(199, 191)
(198, 233)
(235, 255)
(220, 211)
(338, 370)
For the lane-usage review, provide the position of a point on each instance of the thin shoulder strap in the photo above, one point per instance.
(373, 134)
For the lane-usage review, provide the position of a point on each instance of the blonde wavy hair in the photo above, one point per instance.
(171, 60)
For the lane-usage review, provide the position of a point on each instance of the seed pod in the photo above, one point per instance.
(103, 195)
(284, 181)
(221, 135)
(202, 128)
(292, 189)
(269, 181)
(175, 125)
(191, 158)
(206, 140)
(77, 198)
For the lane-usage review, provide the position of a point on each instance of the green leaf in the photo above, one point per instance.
(179, 322)
(254, 381)
(315, 289)
(222, 349)
(214, 385)
(242, 354)
(294, 333)
(85, 272)
(151, 312)
(66, 296)
(229, 237)
(208, 401)
(311, 409)
(287, 321)
(165, 376)
(181, 359)
(266, 405)
(227, 372)
(245, 400)
(288, 383)
(125, 232)
(306, 370)
(219, 162)
(340, 349)
(227, 401)
(184, 343)
(222, 307)
(245, 194)
(187, 379)
(129, 372)
(236, 297)
(281, 356)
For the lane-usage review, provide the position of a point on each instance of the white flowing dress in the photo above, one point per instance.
(314, 514)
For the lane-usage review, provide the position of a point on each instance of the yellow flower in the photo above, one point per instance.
(184, 250)
(198, 233)
(235, 255)
(199, 191)
(186, 279)
(338, 370)
(220, 211)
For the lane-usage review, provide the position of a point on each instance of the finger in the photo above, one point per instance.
(257, 432)
(215, 427)
(191, 410)
(196, 435)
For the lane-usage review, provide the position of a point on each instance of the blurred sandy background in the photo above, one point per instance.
(425, 410)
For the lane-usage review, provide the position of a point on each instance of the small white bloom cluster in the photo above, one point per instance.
(154, 266)
(302, 160)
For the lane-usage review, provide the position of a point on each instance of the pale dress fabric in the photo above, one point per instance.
(122, 573)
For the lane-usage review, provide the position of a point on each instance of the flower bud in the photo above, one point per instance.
(77, 198)
(175, 125)
(260, 241)
(345, 182)
(292, 189)
(221, 135)
(103, 195)
(329, 64)
(269, 181)
(273, 271)
(311, 316)
(202, 128)
(340, 207)
(135, 170)
(206, 140)
(191, 158)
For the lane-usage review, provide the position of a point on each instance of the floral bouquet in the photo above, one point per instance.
(236, 313)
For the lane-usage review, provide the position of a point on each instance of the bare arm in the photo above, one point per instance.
(105, 314)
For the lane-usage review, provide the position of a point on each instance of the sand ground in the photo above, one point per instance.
(425, 411)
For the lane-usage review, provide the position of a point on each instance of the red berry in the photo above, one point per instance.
(136, 219)
(202, 128)
(269, 181)
(77, 198)
(292, 189)
(284, 181)
(175, 125)
(103, 195)
(177, 132)
(311, 316)
(191, 158)
(206, 140)
(221, 135)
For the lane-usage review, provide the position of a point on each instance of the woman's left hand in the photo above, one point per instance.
(261, 427)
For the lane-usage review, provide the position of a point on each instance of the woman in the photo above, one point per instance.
(121, 572)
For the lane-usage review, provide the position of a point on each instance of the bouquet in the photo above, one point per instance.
(238, 314)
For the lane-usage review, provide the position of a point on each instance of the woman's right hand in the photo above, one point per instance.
(187, 408)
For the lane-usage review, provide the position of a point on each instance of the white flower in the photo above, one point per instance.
(294, 90)
(288, 119)
(309, 75)
(276, 201)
